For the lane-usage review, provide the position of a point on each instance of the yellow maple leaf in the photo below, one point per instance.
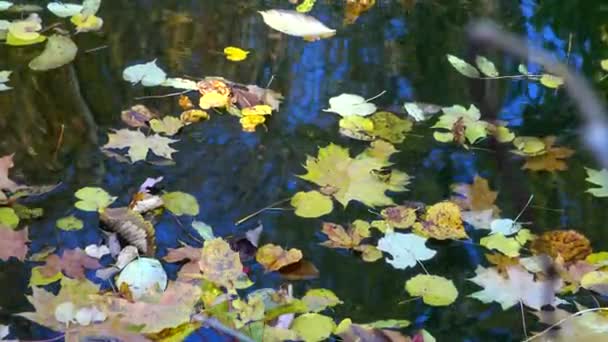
(219, 263)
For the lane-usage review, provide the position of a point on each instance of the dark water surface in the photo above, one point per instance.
(397, 46)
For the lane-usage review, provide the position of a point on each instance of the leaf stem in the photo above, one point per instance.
(261, 210)
(377, 96)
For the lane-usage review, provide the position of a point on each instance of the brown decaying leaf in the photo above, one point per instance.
(399, 216)
(354, 8)
(13, 243)
(552, 160)
(569, 244)
(301, 270)
(441, 221)
(274, 257)
(340, 237)
(131, 227)
(72, 262)
(475, 197)
(185, 103)
(220, 264)
(358, 333)
(187, 253)
(138, 116)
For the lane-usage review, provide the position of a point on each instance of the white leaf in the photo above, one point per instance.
(64, 10)
(64, 312)
(90, 7)
(505, 227)
(180, 83)
(149, 74)
(520, 286)
(4, 77)
(414, 111)
(204, 230)
(296, 24)
(143, 275)
(4, 5)
(350, 104)
(480, 219)
(96, 252)
(4, 331)
(406, 249)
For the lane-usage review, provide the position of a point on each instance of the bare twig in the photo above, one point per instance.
(96, 49)
(556, 324)
(261, 210)
(59, 142)
(163, 96)
(589, 104)
(523, 318)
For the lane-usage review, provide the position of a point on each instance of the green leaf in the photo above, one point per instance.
(8, 217)
(312, 327)
(390, 127)
(604, 64)
(203, 229)
(93, 199)
(69, 223)
(444, 137)
(311, 204)
(58, 51)
(434, 290)
(4, 5)
(37, 279)
(181, 203)
(63, 10)
(388, 324)
(149, 74)
(486, 66)
(475, 130)
(463, 67)
(551, 81)
(320, 299)
(598, 177)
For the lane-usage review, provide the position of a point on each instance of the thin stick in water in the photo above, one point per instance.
(163, 96)
(261, 210)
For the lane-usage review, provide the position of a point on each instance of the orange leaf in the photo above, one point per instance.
(274, 257)
(569, 244)
(441, 221)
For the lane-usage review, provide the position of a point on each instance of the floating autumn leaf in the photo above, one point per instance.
(318, 300)
(355, 8)
(184, 102)
(569, 244)
(434, 290)
(143, 275)
(274, 257)
(349, 104)
(59, 51)
(390, 127)
(4, 5)
(354, 178)
(190, 268)
(520, 286)
(72, 263)
(463, 125)
(137, 116)
(13, 243)
(356, 127)
(169, 125)
(25, 32)
(132, 227)
(475, 197)
(312, 327)
(341, 238)
(4, 77)
(193, 115)
(93, 199)
(63, 10)
(204, 230)
(505, 227)
(400, 216)
(296, 24)
(148, 74)
(598, 177)
(214, 94)
(420, 111)
(584, 326)
(463, 67)
(503, 262)
(139, 144)
(235, 54)
(305, 6)
(301, 270)
(596, 281)
(541, 155)
(45, 303)
(254, 116)
(70, 223)
(220, 264)
(156, 311)
(96, 251)
(507, 246)
(441, 221)
(311, 204)
(181, 203)
(406, 249)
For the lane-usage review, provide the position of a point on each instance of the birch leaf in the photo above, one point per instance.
(64, 10)
(350, 104)
(463, 67)
(406, 249)
(59, 51)
(296, 24)
(486, 66)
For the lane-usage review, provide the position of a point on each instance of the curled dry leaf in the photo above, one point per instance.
(191, 267)
(274, 257)
(569, 244)
(341, 238)
(132, 227)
